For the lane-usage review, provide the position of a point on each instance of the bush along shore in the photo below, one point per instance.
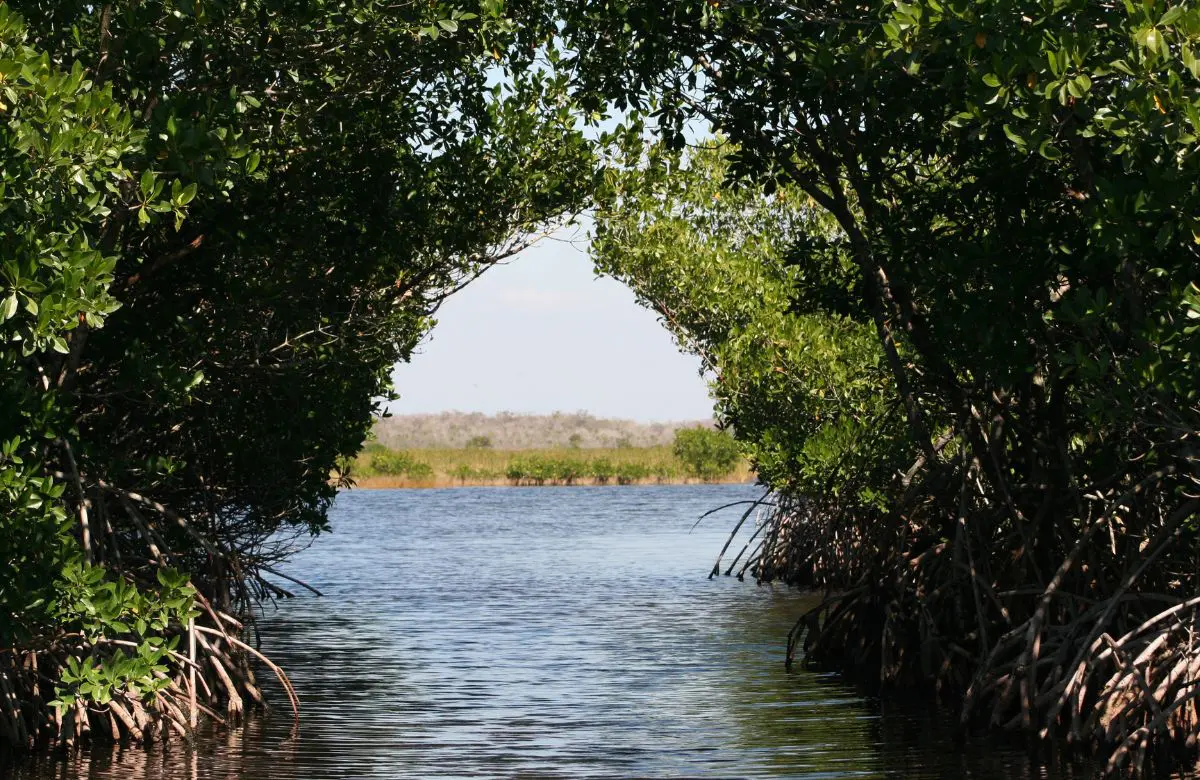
(940, 261)
(380, 467)
(223, 226)
(944, 264)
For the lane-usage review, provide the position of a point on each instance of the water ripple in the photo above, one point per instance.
(546, 633)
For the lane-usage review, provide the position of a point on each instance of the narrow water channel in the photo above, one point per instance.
(547, 633)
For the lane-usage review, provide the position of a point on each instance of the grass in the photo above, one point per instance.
(380, 467)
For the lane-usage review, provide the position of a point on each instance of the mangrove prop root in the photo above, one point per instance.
(134, 536)
(1096, 646)
(219, 682)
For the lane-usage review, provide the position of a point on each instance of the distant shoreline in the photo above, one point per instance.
(378, 467)
(394, 483)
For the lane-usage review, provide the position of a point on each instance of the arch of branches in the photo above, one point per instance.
(941, 258)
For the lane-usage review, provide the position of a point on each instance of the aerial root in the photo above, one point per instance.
(1129, 698)
(219, 683)
(1088, 637)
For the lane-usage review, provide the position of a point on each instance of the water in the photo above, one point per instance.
(547, 633)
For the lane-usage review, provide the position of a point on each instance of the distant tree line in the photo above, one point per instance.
(508, 431)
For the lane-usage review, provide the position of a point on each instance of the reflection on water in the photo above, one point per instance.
(547, 633)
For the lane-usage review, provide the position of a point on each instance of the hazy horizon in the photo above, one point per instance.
(541, 333)
(455, 430)
(554, 413)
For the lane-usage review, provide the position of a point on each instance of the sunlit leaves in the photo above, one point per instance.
(223, 225)
(106, 609)
(760, 287)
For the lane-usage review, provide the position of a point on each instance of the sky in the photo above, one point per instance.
(541, 333)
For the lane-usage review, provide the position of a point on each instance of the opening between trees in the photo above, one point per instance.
(939, 257)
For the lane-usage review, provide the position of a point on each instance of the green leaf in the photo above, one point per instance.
(1049, 151)
(1193, 115)
(1151, 39)
(186, 195)
(1013, 136)
(9, 307)
(1172, 15)
(1190, 61)
(1123, 66)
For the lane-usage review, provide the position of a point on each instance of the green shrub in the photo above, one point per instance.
(706, 453)
(666, 471)
(462, 472)
(419, 470)
(601, 470)
(396, 464)
(533, 469)
(567, 470)
(628, 473)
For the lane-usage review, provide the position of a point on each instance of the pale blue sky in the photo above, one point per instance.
(542, 334)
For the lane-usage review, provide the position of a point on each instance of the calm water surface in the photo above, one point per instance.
(547, 633)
